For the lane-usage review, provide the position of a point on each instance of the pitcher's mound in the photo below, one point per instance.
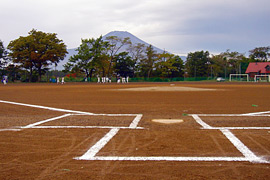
(168, 121)
(166, 88)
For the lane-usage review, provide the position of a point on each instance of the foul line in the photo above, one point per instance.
(133, 125)
(83, 127)
(45, 107)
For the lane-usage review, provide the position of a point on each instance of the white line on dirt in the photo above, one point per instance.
(99, 145)
(47, 120)
(10, 129)
(229, 115)
(45, 107)
(157, 158)
(256, 113)
(65, 110)
(84, 127)
(241, 147)
(239, 128)
(202, 123)
(136, 120)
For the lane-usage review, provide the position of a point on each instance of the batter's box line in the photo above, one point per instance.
(133, 124)
(247, 153)
(92, 152)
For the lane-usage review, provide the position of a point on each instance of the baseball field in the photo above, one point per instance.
(178, 130)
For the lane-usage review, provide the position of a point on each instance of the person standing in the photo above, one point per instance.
(4, 80)
(63, 80)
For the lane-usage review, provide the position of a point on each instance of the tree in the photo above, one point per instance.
(37, 51)
(196, 63)
(229, 63)
(89, 57)
(148, 63)
(169, 66)
(3, 55)
(124, 64)
(233, 62)
(260, 54)
(137, 53)
(115, 44)
(218, 64)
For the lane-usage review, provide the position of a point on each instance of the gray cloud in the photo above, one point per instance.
(179, 26)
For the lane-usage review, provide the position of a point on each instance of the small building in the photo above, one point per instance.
(258, 68)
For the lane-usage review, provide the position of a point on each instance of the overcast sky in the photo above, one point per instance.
(178, 26)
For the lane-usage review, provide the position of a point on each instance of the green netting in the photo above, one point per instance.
(140, 79)
(159, 79)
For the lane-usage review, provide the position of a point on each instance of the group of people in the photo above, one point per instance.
(124, 79)
(62, 80)
(109, 80)
(104, 80)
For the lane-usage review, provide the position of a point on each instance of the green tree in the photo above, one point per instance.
(233, 62)
(3, 55)
(137, 53)
(169, 66)
(148, 63)
(124, 64)
(260, 54)
(218, 65)
(229, 62)
(196, 63)
(90, 56)
(37, 51)
(115, 44)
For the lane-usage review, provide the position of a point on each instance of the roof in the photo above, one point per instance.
(258, 67)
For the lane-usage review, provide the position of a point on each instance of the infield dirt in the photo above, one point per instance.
(49, 153)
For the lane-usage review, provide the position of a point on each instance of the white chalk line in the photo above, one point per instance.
(207, 126)
(230, 115)
(45, 121)
(103, 141)
(248, 154)
(240, 128)
(136, 120)
(162, 158)
(99, 145)
(10, 129)
(65, 110)
(257, 113)
(45, 107)
(83, 127)
(90, 154)
(133, 125)
(241, 147)
(201, 122)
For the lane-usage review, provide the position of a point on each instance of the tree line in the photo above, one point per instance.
(30, 57)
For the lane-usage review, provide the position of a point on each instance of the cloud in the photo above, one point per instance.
(176, 25)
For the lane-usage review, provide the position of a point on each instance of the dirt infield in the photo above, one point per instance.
(46, 128)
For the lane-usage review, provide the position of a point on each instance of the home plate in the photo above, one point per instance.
(168, 121)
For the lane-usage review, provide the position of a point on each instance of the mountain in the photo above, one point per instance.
(134, 40)
(121, 34)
